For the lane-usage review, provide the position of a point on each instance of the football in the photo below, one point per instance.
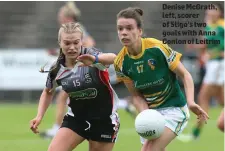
(150, 124)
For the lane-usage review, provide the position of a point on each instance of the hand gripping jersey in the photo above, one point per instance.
(151, 73)
(91, 95)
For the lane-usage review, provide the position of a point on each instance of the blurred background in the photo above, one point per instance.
(28, 40)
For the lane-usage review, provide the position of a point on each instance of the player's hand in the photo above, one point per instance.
(34, 125)
(197, 110)
(86, 59)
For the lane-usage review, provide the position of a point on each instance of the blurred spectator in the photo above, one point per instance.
(212, 56)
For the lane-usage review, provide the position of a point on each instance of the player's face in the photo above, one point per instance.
(212, 15)
(128, 31)
(71, 44)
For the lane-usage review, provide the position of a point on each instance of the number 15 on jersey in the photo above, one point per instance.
(76, 83)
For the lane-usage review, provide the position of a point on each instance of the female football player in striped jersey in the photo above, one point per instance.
(92, 113)
(67, 13)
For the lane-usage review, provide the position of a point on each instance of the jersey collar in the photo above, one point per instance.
(140, 54)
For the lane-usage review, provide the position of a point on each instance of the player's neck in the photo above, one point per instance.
(136, 48)
(70, 63)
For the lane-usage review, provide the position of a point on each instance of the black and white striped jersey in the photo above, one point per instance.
(90, 92)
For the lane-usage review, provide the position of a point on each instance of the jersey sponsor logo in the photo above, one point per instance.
(152, 63)
(84, 94)
(150, 84)
(139, 62)
(105, 136)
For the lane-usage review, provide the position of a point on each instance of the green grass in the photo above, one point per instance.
(15, 134)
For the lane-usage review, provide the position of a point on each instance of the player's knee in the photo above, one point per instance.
(220, 125)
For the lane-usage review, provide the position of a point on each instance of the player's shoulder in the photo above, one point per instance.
(221, 23)
(155, 45)
(120, 56)
(151, 42)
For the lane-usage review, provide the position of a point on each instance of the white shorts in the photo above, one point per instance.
(176, 118)
(214, 72)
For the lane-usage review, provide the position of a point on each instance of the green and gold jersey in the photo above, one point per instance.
(216, 33)
(151, 73)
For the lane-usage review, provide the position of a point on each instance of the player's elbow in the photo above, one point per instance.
(113, 56)
(187, 76)
(182, 72)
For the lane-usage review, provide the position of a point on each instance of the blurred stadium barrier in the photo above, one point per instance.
(27, 28)
(20, 68)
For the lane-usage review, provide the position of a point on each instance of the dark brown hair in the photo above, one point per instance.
(134, 13)
(221, 9)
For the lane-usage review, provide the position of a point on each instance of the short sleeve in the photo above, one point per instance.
(120, 74)
(92, 51)
(172, 57)
(112, 75)
(50, 82)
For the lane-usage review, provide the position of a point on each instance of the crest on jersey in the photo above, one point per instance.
(152, 63)
(88, 78)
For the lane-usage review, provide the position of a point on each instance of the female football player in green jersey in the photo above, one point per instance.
(213, 81)
(149, 69)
